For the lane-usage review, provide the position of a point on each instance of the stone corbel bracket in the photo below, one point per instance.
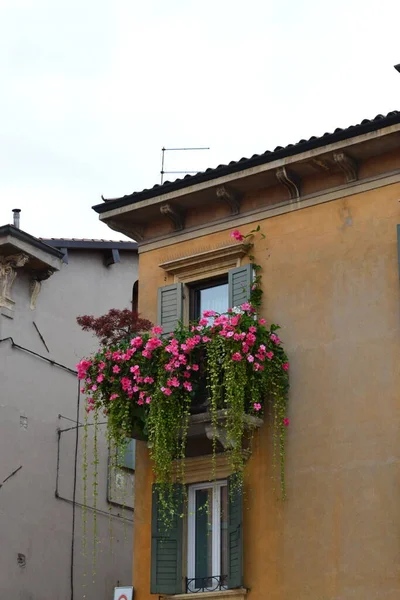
(135, 232)
(347, 165)
(230, 197)
(8, 273)
(36, 285)
(174, 215)
(290, 181)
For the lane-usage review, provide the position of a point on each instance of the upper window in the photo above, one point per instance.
(219, 293)
(212, 294)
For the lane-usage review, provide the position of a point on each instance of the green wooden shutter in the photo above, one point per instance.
(235, 535)
(240, 280)
(170, 306)
(166, 549)
(127, 458)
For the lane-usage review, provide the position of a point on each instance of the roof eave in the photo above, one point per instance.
(297, 152)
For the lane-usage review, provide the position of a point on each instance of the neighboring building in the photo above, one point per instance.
(44, 286)
(329, 209)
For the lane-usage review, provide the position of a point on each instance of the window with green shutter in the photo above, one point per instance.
(214, 542)
(217, 293)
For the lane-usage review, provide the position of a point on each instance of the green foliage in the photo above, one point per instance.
(148, 386)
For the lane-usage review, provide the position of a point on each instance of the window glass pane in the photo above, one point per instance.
(224, 535)
(214, 298)
(203, 525)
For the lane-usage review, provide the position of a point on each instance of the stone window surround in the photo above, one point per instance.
(206, 264)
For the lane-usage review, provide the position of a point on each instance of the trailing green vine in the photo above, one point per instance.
(232, 365)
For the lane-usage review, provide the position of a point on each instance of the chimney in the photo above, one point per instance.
(16, 212)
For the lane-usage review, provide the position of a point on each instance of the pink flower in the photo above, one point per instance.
(252, 329)
(100, 378)
(203, 322)
(174, 382)
(113, 396)
(140, 401)
(246, 306)
(82, 367)
(148, 399)
(258, 367)
(116, 369)
(250, 358)
(187, 385)
(94, 388)
(148, 379)
(166, 391)
(137, 342)
(209, 313)
(269, 355)
(135, 369)
(186, 374)
(239, 237)
(237, 356)
(285, 366)
(195, 367)
(250, 338)
(286, 422)
(257, 406)
(245, 347)
(262, 321)
(206, 339)
(157, 330)
(102, 366)
(275, 339)
(229, 334)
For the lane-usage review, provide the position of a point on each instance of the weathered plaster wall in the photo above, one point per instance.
(32, 395)
(331, 280)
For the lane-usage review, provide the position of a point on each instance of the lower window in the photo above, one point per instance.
(207, 537)
(214, 557)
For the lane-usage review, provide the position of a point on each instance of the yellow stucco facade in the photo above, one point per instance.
(330, 279)
(330, 272)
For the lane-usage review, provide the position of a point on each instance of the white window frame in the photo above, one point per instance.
(216, 524)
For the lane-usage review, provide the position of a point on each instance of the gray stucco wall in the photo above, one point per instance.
(33, 393)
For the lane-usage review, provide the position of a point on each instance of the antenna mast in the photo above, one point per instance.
(164, 150)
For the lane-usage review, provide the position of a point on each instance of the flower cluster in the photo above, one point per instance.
(124, 381)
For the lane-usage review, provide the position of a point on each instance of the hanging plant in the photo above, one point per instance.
(147, 385)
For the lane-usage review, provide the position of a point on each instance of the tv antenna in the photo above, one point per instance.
(164, 150)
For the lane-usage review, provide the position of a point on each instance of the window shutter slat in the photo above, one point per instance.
(170, 306)
(166, 548)
(240, 280)
(235, 535)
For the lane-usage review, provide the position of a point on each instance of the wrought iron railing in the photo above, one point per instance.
(206, 584)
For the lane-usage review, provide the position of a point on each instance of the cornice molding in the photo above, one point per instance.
(208, 263)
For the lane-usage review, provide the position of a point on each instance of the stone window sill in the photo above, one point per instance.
(237, 594)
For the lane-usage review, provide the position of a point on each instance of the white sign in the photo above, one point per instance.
(123, 593)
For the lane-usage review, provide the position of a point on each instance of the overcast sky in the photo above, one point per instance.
(92, 89)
